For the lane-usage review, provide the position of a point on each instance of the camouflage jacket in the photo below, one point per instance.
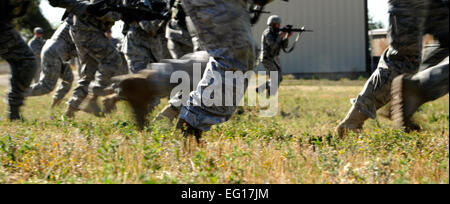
(271, 44)
(36, 45)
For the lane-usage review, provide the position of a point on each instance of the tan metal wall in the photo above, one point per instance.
(338, 43)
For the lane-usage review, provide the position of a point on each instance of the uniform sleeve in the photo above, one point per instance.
(265, 46)
(285, 43)
(34, 46)
(73, 6)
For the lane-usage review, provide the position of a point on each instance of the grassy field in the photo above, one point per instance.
(297, 146)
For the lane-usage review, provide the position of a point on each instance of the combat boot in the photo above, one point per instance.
(92, 106)
(352, 123)
(14, 113)
(192, 136)
(70, 112)
(407, 97)
(169, 112)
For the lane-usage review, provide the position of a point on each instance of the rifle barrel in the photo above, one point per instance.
(296, 30)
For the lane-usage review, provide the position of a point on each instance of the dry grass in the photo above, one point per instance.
(297, 146)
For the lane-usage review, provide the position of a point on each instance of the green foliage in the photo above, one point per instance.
(297, 146)
(375, 24)
(32, 19)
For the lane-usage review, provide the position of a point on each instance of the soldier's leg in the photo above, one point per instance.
(66, 84)
(51, 70)
(81, 91)
(224, 29)
(403, 56)
(165, 49)
(23, 67)
(177, 50)
(271, 65)
(136, 52)
(37, 76)
(409, 93)
(94, 47)
(436, 25)
(431, 83)
(194, 35)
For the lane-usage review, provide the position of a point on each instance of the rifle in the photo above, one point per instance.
(290, 29)
(257, 8)
(138, 11)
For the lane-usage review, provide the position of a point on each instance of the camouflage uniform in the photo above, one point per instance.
(179, 38)
(194, 35)
(224, 30)
(164, 45)
(96, 53)
(409, 21)
(142, 45)
(56, 54)
(36, 45)
(271, 44)
(16, 52)
(434, 81)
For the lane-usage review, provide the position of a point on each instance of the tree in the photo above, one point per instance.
(32, 19)
(375, 25)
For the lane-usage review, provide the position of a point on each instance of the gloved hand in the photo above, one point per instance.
(98, 9)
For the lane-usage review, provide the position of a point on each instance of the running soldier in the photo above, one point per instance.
(409, 22)
(36, 44)
(224, 30)
(271, 43)
(17, 53)
(96, 52)
(56, 54)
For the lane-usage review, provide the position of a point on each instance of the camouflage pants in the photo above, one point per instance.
(272, 65)
(37, 76)
(140, 49)
(225, 32)
(409, 21)
(55, 56)
(434, 81)
(164, 46)
(22, 61)
(194, 35)
(179, 41)
(96, 54)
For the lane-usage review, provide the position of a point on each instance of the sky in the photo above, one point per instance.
(378, 9)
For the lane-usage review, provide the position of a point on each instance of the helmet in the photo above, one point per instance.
(38, 30)
(273, 19)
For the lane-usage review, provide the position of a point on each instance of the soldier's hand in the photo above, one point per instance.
(290, 34)
(98, 9)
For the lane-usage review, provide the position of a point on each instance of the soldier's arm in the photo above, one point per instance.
(264, 46)
(270, 44)
(285, 43)
(34, 47)
(73, 6)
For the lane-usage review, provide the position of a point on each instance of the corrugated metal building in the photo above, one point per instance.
(339, 42)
